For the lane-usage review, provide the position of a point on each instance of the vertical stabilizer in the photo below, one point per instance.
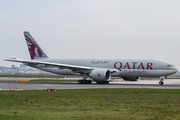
(35, 50)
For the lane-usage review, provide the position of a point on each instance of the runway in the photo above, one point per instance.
(168, 84)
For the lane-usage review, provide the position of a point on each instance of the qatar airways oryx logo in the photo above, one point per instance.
(98, 75)
(33, 48)
(133, 65)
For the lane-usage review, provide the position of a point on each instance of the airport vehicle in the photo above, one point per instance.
(98, 69)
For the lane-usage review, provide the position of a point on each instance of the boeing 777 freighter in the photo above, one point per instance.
(98, 69)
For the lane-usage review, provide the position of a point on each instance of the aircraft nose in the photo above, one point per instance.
(175, 70)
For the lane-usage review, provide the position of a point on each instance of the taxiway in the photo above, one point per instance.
(168, 84)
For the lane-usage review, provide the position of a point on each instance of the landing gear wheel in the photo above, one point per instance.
(86, 81)
(79, 81)
(90, 81)
(161, 83)
(83, 81)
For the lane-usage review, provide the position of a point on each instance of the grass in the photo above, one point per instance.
(80, 104)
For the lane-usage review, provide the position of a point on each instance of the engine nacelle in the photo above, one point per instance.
(100, 75)
(131, 78)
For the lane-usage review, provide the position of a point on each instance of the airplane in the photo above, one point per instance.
(98, 69)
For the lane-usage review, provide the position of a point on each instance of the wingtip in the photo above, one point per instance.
(8, 58)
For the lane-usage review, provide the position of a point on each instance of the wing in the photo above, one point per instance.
(74, 68)
(47, 63)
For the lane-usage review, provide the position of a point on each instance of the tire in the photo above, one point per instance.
(161, 83)
(86, 81)
(79, 81)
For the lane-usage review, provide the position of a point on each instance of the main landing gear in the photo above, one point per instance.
(84, 81)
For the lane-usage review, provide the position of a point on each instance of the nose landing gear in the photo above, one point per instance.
(161, 80)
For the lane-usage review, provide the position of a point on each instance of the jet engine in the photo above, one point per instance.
(100, 75)
(131, 78)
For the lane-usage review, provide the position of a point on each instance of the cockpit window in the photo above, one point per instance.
(170, 65)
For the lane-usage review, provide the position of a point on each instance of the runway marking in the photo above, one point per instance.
(46, 85)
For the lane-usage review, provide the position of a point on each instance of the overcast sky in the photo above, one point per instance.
(92, 28)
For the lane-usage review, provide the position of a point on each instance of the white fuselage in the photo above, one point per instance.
(123, 67)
